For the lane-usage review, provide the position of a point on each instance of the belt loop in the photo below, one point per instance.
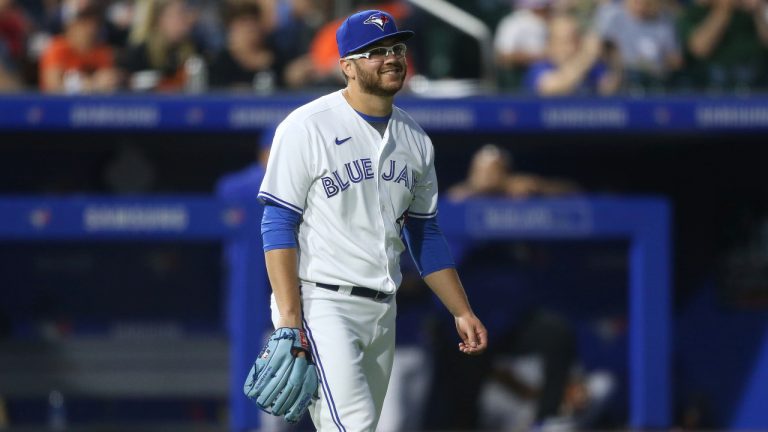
(345, 289)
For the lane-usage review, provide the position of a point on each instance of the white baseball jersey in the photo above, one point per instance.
(353, 188)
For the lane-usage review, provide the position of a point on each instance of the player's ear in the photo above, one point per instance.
(346, 68)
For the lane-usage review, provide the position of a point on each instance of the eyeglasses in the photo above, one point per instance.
(380, 53)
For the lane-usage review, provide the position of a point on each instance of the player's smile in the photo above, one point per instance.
(392, 71)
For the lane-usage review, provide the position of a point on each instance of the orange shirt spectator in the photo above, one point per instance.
(63, 56)
(78, 61)
(323, 51)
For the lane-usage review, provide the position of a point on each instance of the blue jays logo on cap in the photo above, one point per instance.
(378, 20)
(365, 28)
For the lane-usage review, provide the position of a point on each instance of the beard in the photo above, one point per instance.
(373, 83)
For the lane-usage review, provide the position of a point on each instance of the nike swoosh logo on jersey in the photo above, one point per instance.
(340, 142)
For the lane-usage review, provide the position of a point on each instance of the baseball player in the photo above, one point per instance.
(349, 178)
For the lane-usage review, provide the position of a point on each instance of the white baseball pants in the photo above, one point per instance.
(353, 344)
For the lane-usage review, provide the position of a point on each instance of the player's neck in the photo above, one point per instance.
(368, 104)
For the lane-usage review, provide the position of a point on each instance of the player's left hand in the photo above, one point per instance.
(474, 336)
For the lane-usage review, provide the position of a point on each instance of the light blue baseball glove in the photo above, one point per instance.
(281, 382)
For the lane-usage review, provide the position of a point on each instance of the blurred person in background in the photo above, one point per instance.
(14, 30)
(209, 29)
(246, 62)
(519, 317)
(322, 56)
(645, 39)
(160, 45)
(535, 379)
(491, 173)
(296, 26)
(239, 186)
(60, 12)
(40, 18)
(521, 39)
(11, 41)
(583, 10)
(119, 19)
(547, 344)
(78, 61)
(532, 377)
(9, 81)
(573, 64)
(41, 12)
(726, 43)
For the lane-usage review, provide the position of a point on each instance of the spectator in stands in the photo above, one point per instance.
(645, 39)
(52, 16)
(247, 61)
(726, 43)
(14, 30)
(491, 174)
(521, 39)
(40, 12)
(160, 46)
(59, 12)
(8, 80)
(573, 64)
(12, 35)
(78, 61)
(119, 18)
(209, 31)
(291, 39)
(583, 10)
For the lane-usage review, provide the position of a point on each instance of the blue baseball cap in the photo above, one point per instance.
(366, 27)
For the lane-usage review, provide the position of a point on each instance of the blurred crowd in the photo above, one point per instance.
(543, 47)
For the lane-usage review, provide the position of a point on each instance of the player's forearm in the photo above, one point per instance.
(283, 276)
(447, 286)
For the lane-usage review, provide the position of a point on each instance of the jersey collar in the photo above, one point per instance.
(373, 119)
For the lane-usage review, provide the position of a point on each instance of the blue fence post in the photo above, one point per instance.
(248, 303)
(650, 312)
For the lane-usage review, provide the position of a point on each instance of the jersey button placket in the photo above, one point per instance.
(382, 197)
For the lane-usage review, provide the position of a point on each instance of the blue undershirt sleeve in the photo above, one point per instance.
(428, 247)
(278, 227)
